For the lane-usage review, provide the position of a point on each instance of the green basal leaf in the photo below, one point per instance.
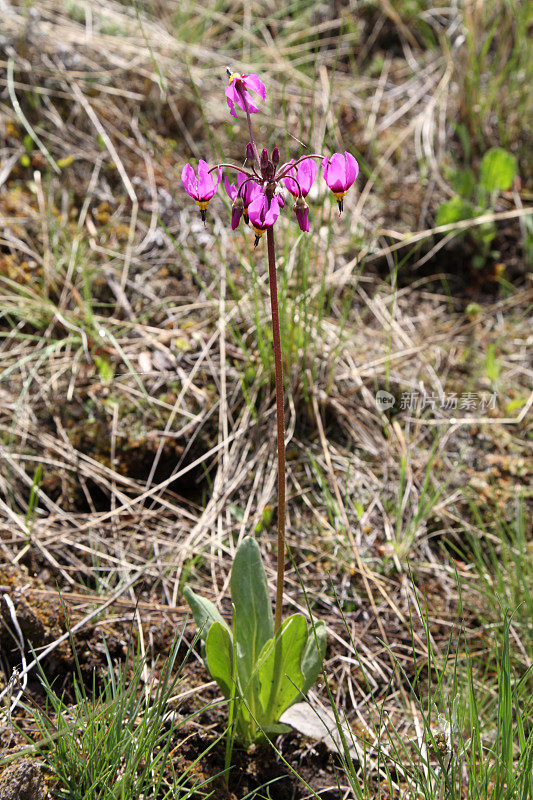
(279, 670)
(219, 657)
(312, 657)
(276, 728)
(254, 623)
(463, 182)
(453, 210)
(498, 169)
(205, 613)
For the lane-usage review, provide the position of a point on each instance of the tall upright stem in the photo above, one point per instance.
(280, 416)
(250, 129)
(278, 371)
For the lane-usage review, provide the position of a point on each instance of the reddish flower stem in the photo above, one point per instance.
(249, 118)
(232, 166)
(278, 372)
(288, 166)
(280, 416)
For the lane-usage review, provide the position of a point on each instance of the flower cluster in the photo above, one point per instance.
(257, 196)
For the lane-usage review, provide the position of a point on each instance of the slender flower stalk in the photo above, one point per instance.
(280, 420)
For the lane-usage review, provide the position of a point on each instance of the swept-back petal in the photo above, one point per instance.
(219, 178)
(250, 192)
(272, 213)
(352, 169)
(257, 210)
(189, 181)
(335, 172)
(252, 108)
(253, 82)
(306, 175)
(206, 189)
(231, 98)
(290, 184)
(230, 188)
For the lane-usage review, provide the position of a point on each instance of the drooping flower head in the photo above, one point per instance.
(298, 181)
(340, 172)
(201, 188)
(262, 214)
(238, 91)
(242, 195)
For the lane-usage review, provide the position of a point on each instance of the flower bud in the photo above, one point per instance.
(275, 156)
(301, 209)
(250, 152)
(236, 211)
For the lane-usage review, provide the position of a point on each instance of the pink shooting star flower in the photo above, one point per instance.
(340, 171)
(298, 181)
(262, 214)
(238, 91)
(242, 197)
(201, 188)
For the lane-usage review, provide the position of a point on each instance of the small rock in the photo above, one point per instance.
(22, 781)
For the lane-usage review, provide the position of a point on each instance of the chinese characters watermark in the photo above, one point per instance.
(419, 401)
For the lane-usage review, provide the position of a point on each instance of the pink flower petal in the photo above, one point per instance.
(219, 178)
(255, 210)
(253, 82)
(272, 213)
(250, 192)
(252, 108)
(231, 189)
(260, 214)
(290, 184)
(189, 181)
(206, 190)
(231, 98)
(335, 172)
(306, 175)
(352, 169)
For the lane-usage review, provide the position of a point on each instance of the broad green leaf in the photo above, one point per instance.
(463, 182)
(219, 657)
(254, 623)
(453, 210)
(312, 658)
(279, 670)
(498, 169)
(205, 613)
(276, 728)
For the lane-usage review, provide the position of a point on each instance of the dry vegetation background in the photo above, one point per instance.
(136, 391)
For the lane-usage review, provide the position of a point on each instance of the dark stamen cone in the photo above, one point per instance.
(340, 203)
(203, 214)
(257, 240)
